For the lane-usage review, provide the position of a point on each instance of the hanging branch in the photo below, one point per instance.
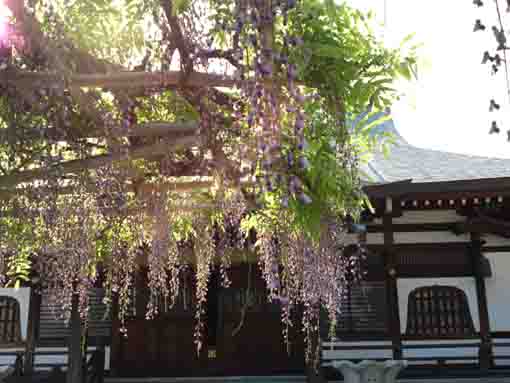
(496, 60)
(260, 136)
(504, 48)
(246, 305)
(177, 37)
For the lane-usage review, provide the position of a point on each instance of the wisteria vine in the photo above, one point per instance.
(94, 190)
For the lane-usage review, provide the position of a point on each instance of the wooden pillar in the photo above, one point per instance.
(75, 367)
(391, 281)
(33, 331)
(115, 350)
(485, 353)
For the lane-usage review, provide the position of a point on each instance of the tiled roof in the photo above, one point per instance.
(406, 161)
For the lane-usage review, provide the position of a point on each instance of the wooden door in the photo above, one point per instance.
(164, 346)
(255, 346)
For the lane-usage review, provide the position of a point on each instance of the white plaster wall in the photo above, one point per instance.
(469, 349)
(429, 216)
(495, 240)
(22, 295)
(430, 237)
(418, 237)
(426, 216)
(346, 351)
(406, 285)
(498, 291)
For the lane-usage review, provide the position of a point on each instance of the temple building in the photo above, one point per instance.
(436, 292)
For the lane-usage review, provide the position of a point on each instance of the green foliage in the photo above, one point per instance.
(180, 6)
(111, 30)
(340, 59)
(344, 59)
(352, 72)
(18, 234)
(182, 228)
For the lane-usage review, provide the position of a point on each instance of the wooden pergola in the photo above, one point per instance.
(163, 137)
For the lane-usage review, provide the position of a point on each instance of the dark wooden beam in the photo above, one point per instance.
(427, 246)
(485, 352)
(441, 190)
(414, 227)
(432, 259)
(481, 222)
(33, 331)
(496, 249)
(391, 283)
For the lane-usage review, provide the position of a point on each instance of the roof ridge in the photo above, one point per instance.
(406, 143)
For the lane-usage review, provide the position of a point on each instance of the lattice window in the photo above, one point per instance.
(439, 311)
(10, 326)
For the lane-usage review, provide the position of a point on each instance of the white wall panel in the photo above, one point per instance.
(469, 350)
(498, 291)
(495, 240)
(430, 237)
(426, 216)
(346, 351)
(418, 237)
(429, 216)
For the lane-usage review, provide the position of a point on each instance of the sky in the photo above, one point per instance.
(447, 108)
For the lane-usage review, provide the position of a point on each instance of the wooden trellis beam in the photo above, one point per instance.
(143, 189)
(119, 80)
(155, 129)
(160, 148)
(151, 129)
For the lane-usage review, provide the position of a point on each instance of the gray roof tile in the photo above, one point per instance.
(406, 161)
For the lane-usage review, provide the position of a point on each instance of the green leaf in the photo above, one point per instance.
(180, 6)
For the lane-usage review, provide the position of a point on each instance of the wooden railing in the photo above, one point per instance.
(433, 355)
(94, 369)
(501, 349)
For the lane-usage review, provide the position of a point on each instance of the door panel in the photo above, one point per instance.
(164, 346)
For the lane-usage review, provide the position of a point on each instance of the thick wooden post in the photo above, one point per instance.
(485, 353)
(75, 366)
(33, 331)
(115, 351)
(391, 282)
